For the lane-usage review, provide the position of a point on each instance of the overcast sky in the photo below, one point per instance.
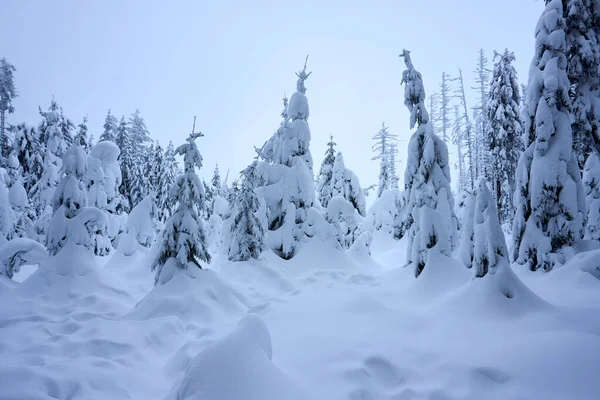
(230, 62)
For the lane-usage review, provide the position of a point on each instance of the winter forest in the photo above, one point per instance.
(466, 269)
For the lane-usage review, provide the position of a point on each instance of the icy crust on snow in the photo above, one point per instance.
(238, 367)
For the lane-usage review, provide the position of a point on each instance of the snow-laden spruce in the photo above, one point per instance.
(55, 133)
(465, 250)
(110, 128)
(489, 245)
(591, 182)
(183, 242)
(30, 155)
(247, 230)
(583, 69)
(7, 216)
(103, 179)
(140, 229)
(382, 148)
(430, 204)
(325, 178)
(289, 189)
(549, 195)
(7, 93)
(166, 180)
(503, 133)
(72, 220)
(347, 207)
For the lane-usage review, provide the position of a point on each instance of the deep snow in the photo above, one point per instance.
(325, 325)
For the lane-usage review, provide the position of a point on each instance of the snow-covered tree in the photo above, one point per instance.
(583, 69)
(480, 143)
(444, 117)
(289, 189)
(110, 128)
(503, 134)
(591, 181)
(103, 179)
(324, 183)
(465, 250)
(7, 216)
(41, 194)
(465, 139)
(490, 250)
(166, 180)
(348, 205)
(81, 137)
(141, 153)
(7, 94)
(383, 139)
(141, 226)
(30, 155)
(430, 215)
(126, 161)
(183, 242)
(247, 231)
(72, 219)
(392, 157)
(549, 195)
(457, 139)
(345, 183)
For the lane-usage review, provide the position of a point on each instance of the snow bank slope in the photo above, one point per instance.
(237, 367)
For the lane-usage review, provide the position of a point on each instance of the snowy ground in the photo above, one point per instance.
(326, 325)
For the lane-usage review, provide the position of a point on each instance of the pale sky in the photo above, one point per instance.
(230, 62)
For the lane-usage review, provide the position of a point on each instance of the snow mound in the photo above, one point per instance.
(195, 297)
(73, 279)
(441, 275)
(502, 293)
(237, 367)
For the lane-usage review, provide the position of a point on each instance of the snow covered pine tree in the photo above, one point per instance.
(325, 183)
(549, 195)
(503, 134)
(183, 237)
(247, 235)
(430, 210)
(591, 181)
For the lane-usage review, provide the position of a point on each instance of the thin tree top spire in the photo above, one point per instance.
(414, 92)
(302, 76)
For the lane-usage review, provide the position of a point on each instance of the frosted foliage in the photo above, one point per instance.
(183, 241)
(489, 244)
(591, 182)
(465, 252)
(414, 93)
(7, 217)
(430, 217)
(325, 178)
(286, 170)
(346, 184)
(106, 175)
(247, 230)
(503, 133)
(18, 252)
(72, 220)
(549, 195)
(346, 219)
(583, 55)
(430, 204)
(384, 152)
(141, 222)
(387, 214)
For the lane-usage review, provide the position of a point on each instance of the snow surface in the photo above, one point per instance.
(327, 324)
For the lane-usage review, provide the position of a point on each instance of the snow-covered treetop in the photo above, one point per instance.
(7, 86)
(191, 156)
(414, 92)
(302, 76)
